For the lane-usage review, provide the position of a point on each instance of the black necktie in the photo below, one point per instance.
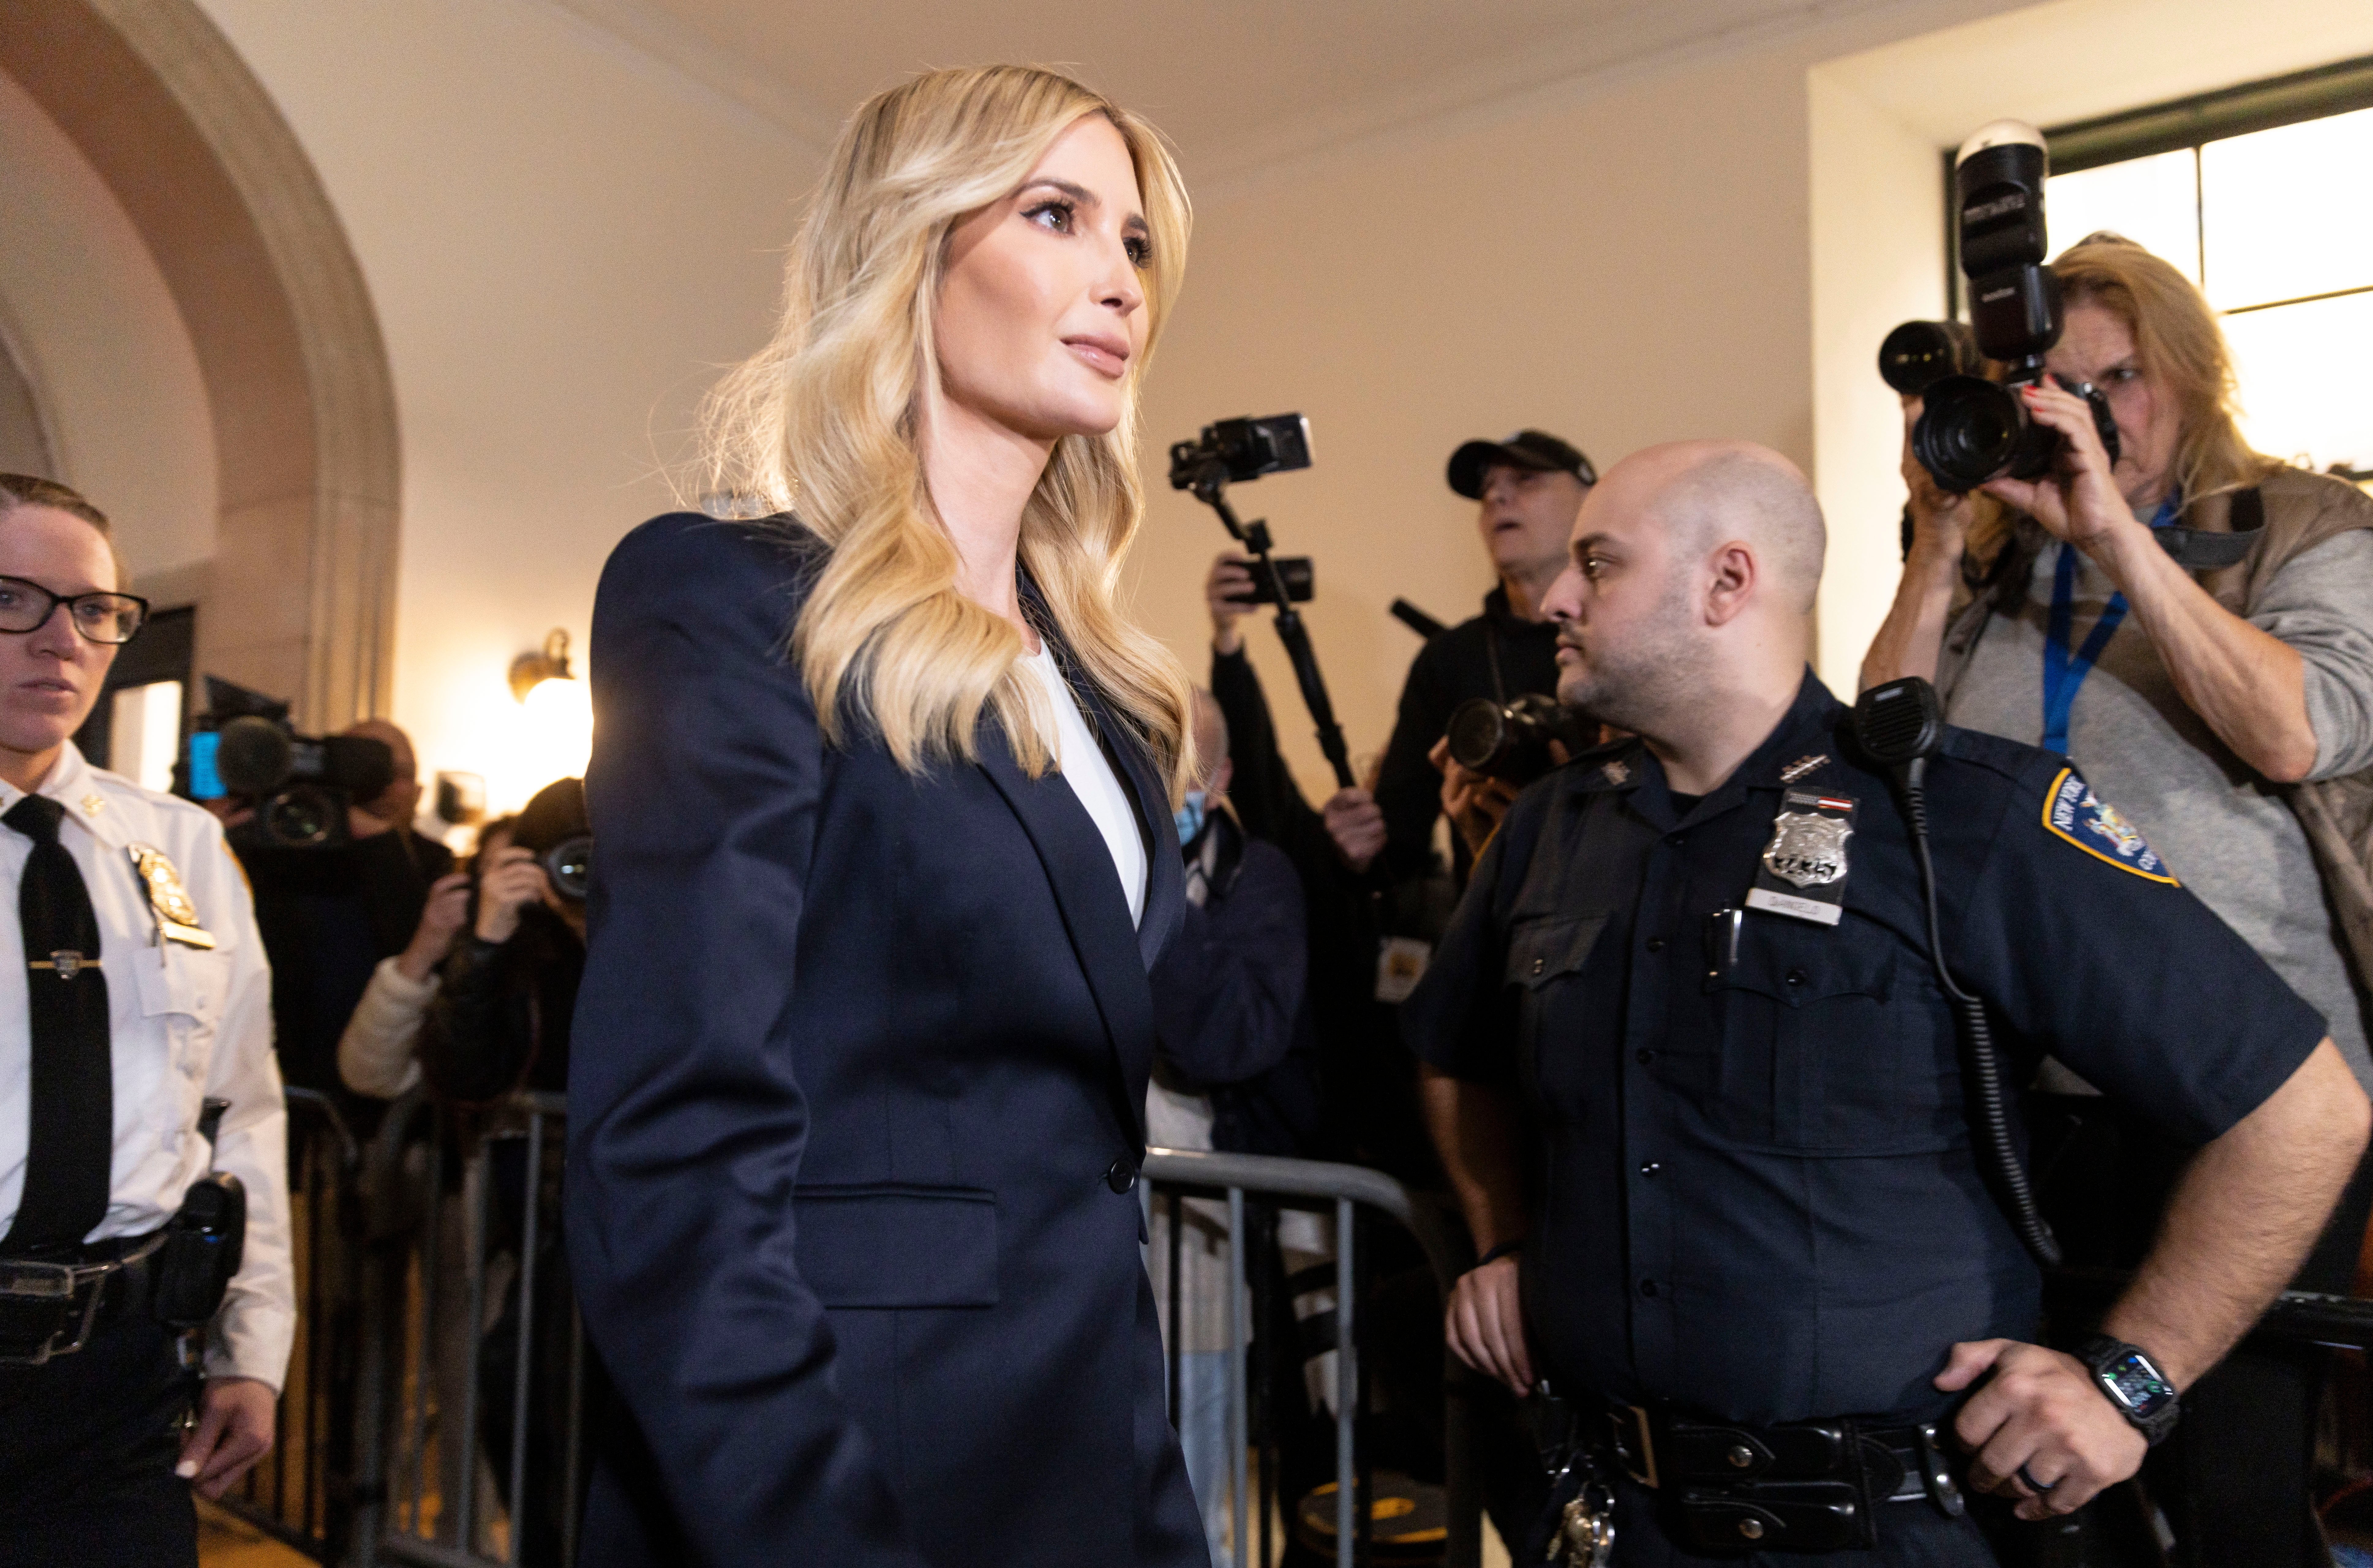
(71, 1130)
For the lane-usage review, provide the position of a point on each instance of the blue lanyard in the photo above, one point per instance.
(2062, 675)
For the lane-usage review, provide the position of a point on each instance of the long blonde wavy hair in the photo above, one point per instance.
(823, 423)
(2178, 346)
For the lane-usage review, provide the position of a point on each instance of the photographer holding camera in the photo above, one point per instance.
(501, 1017)
(2188, 620)
(1528, 490)
(499, 1022)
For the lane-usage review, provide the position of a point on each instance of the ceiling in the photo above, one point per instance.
(1238, 85)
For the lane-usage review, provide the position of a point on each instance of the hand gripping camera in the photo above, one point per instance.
(1973, 429)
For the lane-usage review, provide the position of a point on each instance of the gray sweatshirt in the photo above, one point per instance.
(2221, 829)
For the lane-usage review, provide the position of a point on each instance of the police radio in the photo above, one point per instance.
(1899, 727)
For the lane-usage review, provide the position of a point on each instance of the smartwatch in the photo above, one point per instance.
(2129, 1380)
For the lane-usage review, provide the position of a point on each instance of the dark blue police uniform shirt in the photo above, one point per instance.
(1756, 1195)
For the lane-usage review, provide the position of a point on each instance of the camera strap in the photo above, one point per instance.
(2064, 676)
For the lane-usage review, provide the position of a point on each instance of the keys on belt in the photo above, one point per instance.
(48, 1308)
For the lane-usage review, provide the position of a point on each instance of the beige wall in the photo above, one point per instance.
(1623, 262)
(562, 238)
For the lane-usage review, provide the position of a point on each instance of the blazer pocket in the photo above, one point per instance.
(896, 1245)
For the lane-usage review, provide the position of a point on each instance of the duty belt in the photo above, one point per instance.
(49, 1307)
(1798, 1486)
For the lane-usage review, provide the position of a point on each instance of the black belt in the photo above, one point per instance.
(51, 1306)
(1800, 1485)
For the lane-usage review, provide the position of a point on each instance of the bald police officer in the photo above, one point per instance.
(135, 1076)
(1760, 1249)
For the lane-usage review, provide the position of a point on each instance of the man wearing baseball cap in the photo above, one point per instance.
(1529, 489)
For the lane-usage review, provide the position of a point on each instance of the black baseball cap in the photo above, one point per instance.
(1536, 449)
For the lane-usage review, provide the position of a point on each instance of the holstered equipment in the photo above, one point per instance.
(204, 1242)
(51, 1306)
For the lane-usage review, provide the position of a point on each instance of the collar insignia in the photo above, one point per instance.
(1803, 765)
(177, 913)
(94, 803)
(1617, 772)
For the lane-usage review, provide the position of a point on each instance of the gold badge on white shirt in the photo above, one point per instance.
(177, 913)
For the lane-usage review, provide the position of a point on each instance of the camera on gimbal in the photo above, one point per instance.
(1234, 451)
(1973, 429)
(301, 785)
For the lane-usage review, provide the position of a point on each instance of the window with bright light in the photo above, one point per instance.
(2276, 226)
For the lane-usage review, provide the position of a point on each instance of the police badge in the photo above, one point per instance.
(177, 913)
(1804, 869)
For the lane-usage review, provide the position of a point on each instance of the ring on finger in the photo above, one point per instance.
(2040, 1487)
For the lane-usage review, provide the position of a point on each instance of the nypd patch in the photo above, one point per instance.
(2072, 810)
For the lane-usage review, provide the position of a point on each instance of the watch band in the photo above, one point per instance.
(2133, 1385)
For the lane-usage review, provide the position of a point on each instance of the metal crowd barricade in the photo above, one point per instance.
(401, 1368)
(1175, 1174)
(302, 1494)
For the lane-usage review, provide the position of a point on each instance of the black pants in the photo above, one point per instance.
(88, 1445)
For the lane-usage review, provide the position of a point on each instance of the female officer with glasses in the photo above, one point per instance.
(144, 996)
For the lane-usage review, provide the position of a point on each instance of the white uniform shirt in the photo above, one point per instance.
(1081, 763)
(185, 1023)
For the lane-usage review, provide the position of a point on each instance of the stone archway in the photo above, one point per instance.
(301, 596)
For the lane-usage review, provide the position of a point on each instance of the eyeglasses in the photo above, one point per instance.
(101, 617)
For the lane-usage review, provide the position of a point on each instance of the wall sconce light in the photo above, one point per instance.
(530, 669)
(556, 733)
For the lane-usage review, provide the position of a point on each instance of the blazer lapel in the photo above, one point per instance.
(1095, 914)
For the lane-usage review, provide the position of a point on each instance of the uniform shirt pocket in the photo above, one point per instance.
(1541, 951)
(1546, 957)
(894, 1246)
(184, 988)
(1825, 1047)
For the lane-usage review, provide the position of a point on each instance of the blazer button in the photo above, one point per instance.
(1122, 1176)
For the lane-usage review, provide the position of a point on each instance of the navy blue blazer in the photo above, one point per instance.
(855, 1108)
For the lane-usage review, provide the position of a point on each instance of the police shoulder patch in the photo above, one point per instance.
(2072, 812)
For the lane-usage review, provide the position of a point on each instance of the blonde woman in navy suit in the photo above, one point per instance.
(882, 785)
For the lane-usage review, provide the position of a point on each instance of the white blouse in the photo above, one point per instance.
(1091, 780)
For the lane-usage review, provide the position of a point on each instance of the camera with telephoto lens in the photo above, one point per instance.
(554, 829)
(301, 785)
(1971, 429)
(1241, 450)
(1511, 740)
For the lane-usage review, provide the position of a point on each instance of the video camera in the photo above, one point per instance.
(1229, 451)
(301, 785)
(1973, 429)
(1234, 451)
